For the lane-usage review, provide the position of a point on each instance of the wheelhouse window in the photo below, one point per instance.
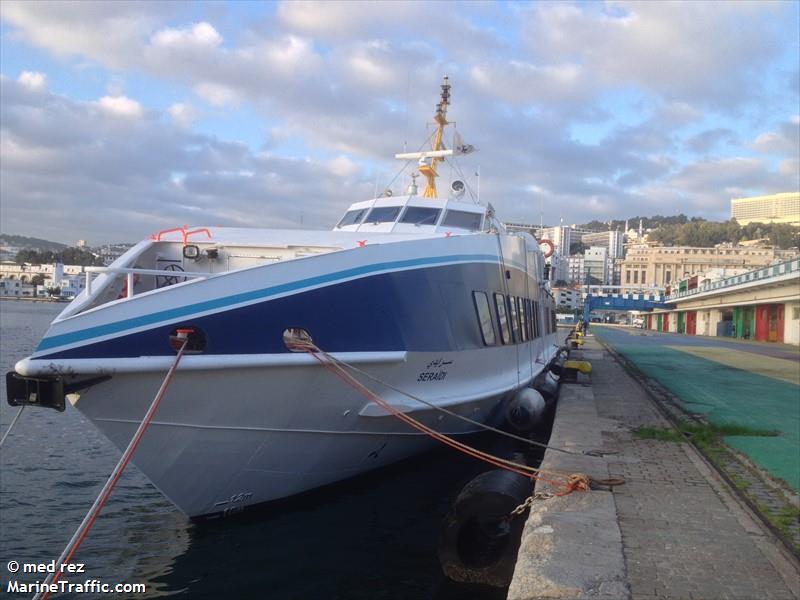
(484, 318)
(383, 214)
(463, 219)
(502, 319)
(514, 319)
(421, 215)
(352, 217)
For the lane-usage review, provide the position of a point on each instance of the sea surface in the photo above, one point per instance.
(374, 537)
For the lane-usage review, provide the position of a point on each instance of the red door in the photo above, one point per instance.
(762, 322)
(665, 322)
(775, 323)
(691, 322)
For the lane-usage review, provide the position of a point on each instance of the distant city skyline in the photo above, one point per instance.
(120, 119)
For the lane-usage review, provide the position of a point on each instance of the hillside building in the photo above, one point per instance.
(775, 208)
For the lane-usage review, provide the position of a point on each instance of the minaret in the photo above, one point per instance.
(640, 228)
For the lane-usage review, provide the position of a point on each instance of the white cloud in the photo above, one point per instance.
(709, 139)
(769, 142)
(790, 168)
(784, 141)
(70, 160)
(121, 106)
(182, 114)
(290, 55)
(680, 50)
(368, 68)
(217, 94)
(526, 83)
(110, 33)
(342, 166)
(197, 36)
(656, 85)
(704, 188)
(33, 80)
(337, 19)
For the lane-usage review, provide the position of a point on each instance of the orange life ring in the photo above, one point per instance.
(550, 244)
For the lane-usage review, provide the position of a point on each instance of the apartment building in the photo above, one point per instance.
(613, 241)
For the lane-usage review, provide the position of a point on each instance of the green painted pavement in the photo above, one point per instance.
(724, 394)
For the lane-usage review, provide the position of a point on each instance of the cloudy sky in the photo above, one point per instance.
(118, 119)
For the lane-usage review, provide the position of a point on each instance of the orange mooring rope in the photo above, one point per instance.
(83, 529)
(573, 481)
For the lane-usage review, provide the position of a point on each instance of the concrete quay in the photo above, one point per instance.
(673, 530)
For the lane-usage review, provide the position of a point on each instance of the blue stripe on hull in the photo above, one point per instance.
(428, 310)
(227, 301)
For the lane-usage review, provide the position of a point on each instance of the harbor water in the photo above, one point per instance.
(374, 537)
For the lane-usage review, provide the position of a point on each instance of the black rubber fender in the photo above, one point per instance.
(557, 365)
(479, 542)
(548, 386)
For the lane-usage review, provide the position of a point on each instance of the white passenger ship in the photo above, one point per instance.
(426, 292)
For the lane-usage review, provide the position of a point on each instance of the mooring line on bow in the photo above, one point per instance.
(83, 529)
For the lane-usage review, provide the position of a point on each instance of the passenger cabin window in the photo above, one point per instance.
(529, 319)
(352, 217)
(523, 322)
(532, 324)
(463, 219)
(383, 214)
(514, 319)
(484, 318)
(536, 332)
(421, 215)
(502, 319)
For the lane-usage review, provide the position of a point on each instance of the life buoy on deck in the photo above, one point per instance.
(550, 245)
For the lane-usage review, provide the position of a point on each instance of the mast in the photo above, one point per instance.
(429, 170)
(429, 159)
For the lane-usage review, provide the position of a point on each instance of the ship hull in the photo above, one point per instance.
(223, 440)
(247, 421)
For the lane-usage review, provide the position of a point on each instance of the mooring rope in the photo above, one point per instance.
(328, 362)
(83, 529)
(446, 411)
(11, 426)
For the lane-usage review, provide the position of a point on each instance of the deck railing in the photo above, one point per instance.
(132, 273)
